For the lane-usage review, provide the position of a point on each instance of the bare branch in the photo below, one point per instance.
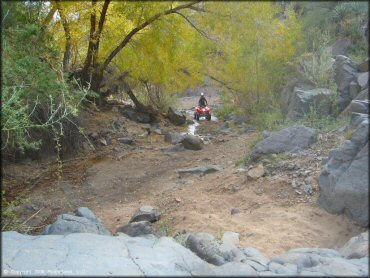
(195, 27)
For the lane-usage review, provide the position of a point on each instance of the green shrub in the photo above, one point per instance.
(36, 98)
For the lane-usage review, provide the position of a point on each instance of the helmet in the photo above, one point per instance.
(202, 94)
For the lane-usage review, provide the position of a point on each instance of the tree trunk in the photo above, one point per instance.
(68, 49)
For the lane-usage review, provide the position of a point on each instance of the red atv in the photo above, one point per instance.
(202, 112)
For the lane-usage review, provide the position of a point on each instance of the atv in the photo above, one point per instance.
(202, 112)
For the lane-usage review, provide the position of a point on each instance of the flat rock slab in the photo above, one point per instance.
(97, 255)
(202, 170)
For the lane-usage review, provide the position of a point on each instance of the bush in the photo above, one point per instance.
(36, 98)
(317, 66)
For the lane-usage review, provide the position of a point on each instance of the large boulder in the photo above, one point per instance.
(345, 73)
(176, 117)
(344, 179)
(287, 94)
(86, 222)
(303, 101)
(192, 142)
(289, 139)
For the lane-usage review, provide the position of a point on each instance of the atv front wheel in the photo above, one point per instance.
(208, 117)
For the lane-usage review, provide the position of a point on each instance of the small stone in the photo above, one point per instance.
(294, 183)
(256, 172)
(103, 141)
(178, 200)
(298, 192)
(235, 211)
(127, 141)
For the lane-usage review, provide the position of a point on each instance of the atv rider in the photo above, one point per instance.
(202, 101)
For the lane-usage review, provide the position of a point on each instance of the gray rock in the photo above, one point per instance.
(173, 137)
(67, 224)
(192, 142)
(311, 273)
(357, 247)
(359, 106)
(302, 260)
(131, 113)
(235, 211)
(176, 117)
(98, 255)
(363, 80)
(285, 140)
(345, 72)
(206, 247)
(235, 269)
(344, 178)
(256, 259)
(286, 269)
(337, 267)
(357, 119)
(87, 213)
(255, 265)
(354, 89)
(288, 92)
(325, 252)
(126, 140)
(363, 95)
(267, 273)
(136, 228)
(302, 101)
(146, 213)
(230, 241)
(202, 170)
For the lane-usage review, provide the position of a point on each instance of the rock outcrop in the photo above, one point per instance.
(344, 179)
(290, 139)
(86, 254)
(346, 80)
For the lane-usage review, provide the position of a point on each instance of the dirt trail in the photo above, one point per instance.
(117, 179)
